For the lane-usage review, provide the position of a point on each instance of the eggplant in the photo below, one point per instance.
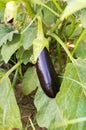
(47, 75)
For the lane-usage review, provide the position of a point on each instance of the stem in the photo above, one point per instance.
(55, 26)
(40, 34)
(78, 41)
(72, 26)
(32, 124)
(49, 9)
(62, 28)
(29, 24)
(29, 8)
(10, 71)
(57, 5)
(20, 71)
(63, 45)
(59, 57)
(15, 78)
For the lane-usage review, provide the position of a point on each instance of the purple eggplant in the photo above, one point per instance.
(47, 74)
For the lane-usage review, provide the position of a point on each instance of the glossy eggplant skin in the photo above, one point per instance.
(46, 74)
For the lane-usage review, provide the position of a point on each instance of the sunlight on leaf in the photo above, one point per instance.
(72, 7)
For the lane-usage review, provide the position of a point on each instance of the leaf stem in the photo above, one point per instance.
(29, 8)
(10, 71)
(15, 78)
(57, 5)
(40, 34)
(48, 8)
(54, 27)
(29, 24)
(63, 45)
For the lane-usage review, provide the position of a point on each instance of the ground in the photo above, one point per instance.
(27, 109)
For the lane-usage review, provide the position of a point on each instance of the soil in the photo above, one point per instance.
(27, 109)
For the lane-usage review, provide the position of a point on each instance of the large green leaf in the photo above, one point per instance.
(6, 34)
(29, 35)
(30, 81)
(72, 7)
(9, 48)
(9, 111)
(71, 101)
(47, 110)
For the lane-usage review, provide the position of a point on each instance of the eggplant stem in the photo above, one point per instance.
(40, 34)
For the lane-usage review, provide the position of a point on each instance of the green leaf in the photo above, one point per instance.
(47, 110)
(6, 34)
(9, 111)
(76, 32)
(81, 49)
(71, 100)
(72, 7)
(26, 56)
(81, 70)
(83, 18)
(20, 52)
(30, 81)
(29, 35)
(48, 17)
(8, 49)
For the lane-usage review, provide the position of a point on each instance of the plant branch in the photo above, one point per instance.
(63, 45)
(10, 71)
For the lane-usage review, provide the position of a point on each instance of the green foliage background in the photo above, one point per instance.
(63, 22)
